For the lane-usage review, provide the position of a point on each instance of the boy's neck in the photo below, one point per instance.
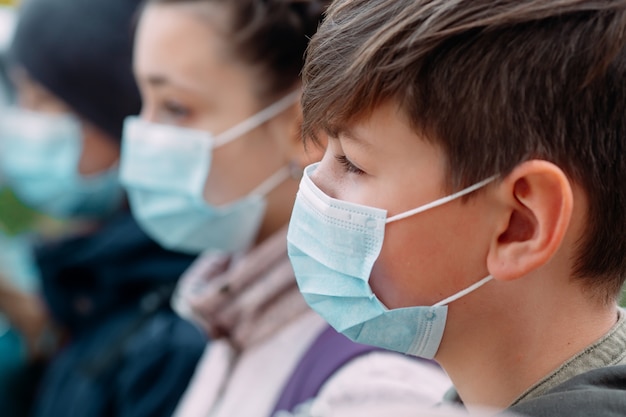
(517, 341)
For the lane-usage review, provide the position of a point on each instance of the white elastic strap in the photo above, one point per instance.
(441, 201)
(464, 292)
(258, 119)
(272, 182)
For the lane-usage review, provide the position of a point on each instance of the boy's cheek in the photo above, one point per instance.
(399, 279)
(384, 283)
(422, 261)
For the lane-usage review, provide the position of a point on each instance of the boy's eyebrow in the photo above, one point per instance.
(348, 135)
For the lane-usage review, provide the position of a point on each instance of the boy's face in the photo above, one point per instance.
(381, 162)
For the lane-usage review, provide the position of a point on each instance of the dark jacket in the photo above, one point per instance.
(85, 278)
(128, 353)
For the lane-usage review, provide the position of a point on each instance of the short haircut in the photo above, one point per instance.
(493, 83)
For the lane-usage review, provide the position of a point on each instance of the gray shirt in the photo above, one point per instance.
(608, 351)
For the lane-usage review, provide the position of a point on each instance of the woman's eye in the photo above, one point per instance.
(348, 166)
(175, 110)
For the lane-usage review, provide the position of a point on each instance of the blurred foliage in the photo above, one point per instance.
(8, 2)
(14, 216)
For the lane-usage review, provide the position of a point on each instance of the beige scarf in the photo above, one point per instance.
(242, 300)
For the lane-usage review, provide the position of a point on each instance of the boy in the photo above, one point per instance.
(471, 203)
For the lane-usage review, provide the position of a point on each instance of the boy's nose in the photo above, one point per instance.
(322, 177)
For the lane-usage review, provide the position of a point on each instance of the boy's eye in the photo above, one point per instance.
(348, 166)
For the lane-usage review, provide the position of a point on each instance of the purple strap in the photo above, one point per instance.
(329, 352)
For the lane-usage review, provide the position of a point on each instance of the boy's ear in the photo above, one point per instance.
(537, 207)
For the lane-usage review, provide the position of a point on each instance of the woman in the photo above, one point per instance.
(213, 165)
(105, 283)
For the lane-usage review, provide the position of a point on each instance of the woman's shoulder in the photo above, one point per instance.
(336, 369)
(382, 377)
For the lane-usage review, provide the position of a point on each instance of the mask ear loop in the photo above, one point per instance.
(258, 119)
(272, 182)
(441, 201)
(463, 293)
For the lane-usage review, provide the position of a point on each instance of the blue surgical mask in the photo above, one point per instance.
(333, 245)
(164, 169)
(39, 157)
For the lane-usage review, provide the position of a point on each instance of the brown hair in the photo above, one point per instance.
(269, 35)
(494, 83)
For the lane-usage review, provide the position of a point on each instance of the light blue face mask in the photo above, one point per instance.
(164, 169)
(333, 245)
(39, 157)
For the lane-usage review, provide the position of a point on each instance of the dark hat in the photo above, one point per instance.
(81, 51)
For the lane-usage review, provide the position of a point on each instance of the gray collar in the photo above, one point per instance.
(608, 351)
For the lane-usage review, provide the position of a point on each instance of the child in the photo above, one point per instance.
(213, 166)
(503, 123)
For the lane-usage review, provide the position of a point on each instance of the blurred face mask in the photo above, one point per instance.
(333, 246)
(39, 157)
(164, 169)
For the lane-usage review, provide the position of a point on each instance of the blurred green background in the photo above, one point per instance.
(15, 218)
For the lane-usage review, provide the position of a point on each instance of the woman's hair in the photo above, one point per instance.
(270, 36)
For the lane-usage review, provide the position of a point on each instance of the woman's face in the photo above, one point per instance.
(189, 77)
(99, 152)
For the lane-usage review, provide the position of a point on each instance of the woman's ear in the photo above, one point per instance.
(307, 152)
(301, 152)
(537, 207)
(286, 129)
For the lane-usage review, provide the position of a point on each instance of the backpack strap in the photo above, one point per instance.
(330, 351)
